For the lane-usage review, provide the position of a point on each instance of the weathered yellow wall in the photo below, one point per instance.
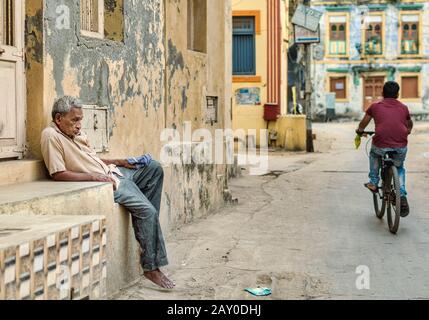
(149, 82)
(249, 116)
(191, 77)
(292, 132)
(114, 18)
(34, 76)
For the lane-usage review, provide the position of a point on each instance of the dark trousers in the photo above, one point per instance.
(140, 193)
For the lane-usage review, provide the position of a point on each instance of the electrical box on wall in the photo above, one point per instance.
(95, 126)
(212, 110)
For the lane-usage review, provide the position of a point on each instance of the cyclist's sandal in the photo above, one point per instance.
(371, 187)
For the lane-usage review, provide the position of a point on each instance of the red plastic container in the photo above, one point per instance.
(271, 112)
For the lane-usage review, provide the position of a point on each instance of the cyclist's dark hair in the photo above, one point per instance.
(391, 90)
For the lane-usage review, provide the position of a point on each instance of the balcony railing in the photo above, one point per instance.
(410, 47)
(338, 47)
(374, 47)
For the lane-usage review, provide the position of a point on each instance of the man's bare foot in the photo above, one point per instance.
(166, 278)
(159, 279)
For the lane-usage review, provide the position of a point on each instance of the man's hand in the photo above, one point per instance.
(97, 177)
(124, 164)
(119, 163)
(361, 133)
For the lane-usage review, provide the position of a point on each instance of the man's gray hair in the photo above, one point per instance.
(64, 105)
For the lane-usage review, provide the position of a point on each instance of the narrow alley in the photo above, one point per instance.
(304, 230)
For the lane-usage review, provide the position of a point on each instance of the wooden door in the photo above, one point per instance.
(12, 80)
(373, 90)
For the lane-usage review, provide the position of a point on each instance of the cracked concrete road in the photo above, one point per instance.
(304, 230)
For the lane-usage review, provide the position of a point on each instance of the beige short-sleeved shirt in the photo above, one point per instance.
(61, 153)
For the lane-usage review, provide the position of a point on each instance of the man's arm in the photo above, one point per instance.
(76, 176)
(364, 123)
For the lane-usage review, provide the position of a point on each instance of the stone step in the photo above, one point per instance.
(21, 171)
(52, 257)
(49, 198)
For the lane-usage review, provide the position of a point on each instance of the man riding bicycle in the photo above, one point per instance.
(393, 125)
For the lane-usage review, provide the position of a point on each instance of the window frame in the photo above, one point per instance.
(421, 43)
(346, 88)
(419, 87)
(247, 33)
(92, 34)
(256, 14)
(328, 54)
(383, 36)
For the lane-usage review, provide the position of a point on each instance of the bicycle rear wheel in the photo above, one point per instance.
(379, 205)
(394, 199)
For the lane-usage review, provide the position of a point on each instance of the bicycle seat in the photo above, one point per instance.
(390, 154)
(389, 159)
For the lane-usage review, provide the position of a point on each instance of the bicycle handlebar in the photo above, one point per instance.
(370, 133)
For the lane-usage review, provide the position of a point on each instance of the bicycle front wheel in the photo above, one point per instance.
(394, 200)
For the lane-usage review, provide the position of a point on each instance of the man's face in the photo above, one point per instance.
(71, 123)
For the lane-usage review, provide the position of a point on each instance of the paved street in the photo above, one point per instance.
(304, 229)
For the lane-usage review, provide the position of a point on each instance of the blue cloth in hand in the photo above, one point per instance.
(140, 162)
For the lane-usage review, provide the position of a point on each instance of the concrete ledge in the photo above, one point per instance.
(70, 198)
(124, 260)
(56, 198)
(52, 258)
(21, 171)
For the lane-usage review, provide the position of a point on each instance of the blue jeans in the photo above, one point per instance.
(140, 193)
(374, 165)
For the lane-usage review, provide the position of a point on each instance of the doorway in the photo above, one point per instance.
(12, 79)
(373, 90)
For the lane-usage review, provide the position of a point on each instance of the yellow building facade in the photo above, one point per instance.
(260, 73)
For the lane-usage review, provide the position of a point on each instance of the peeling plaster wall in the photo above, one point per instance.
(353, 108)
(149, 82)
(34, 75)
(127, 77)
(191, 77)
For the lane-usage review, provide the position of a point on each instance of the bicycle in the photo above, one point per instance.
(388, 196)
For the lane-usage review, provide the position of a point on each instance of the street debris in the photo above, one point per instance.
(259, 292)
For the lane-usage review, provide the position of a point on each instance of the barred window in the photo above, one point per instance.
(410, 34)
(374, 35)
(102, 19)
(244, 49)
(92, 18)
(338, 35)
(7, 22)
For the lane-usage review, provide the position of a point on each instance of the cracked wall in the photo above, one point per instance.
(191, 76)
(325, 67)
(145, 76)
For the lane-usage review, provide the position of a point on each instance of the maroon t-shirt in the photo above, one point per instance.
(390, 116)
